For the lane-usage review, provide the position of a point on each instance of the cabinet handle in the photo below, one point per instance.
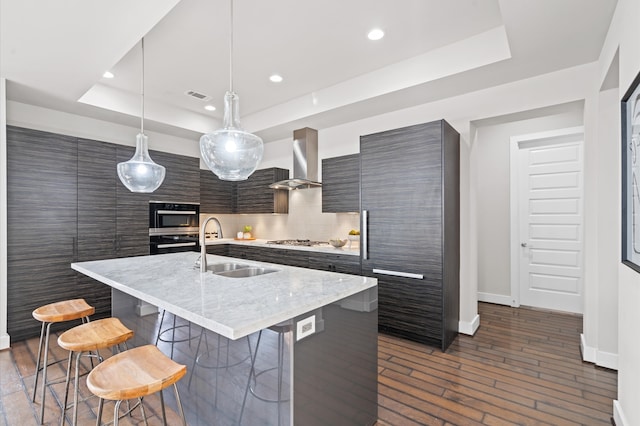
(398, 274)
(364, 234)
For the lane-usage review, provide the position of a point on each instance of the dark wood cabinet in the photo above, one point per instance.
(66, 204)
(249, 196)
(216, 196)
(343, 263)
(96, 230)
(132, 218)
(254, 195)
(182, 179)
(42, 217)
(410, 222)
(218, 249)
(341, 184)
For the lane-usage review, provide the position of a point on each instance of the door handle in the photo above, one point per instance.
(365, 234)
(523, 244)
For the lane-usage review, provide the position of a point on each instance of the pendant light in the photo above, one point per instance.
(140, 173)
(231, 153)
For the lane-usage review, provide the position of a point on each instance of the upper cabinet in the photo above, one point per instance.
(182, 179)
(216, 196)
(249, 196)
(341, 184)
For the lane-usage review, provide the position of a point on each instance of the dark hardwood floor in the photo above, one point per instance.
(523, 367)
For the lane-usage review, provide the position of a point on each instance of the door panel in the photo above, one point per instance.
(551, 225)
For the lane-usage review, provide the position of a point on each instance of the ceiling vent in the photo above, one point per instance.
(197, 95)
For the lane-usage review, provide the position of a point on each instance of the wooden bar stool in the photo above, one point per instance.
(134, 374)
(66, 310)
(92, 336)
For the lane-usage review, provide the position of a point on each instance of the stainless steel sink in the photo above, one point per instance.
(245, 272)
(222, 267)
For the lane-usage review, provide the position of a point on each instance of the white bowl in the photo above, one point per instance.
(337, 243)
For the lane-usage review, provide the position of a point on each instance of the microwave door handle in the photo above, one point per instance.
(192, 212)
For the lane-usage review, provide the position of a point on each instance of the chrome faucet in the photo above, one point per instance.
(203, 247)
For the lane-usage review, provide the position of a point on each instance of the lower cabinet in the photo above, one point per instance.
(343, 263)
(218, 249)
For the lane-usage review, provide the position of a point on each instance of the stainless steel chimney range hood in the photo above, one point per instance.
(305, 161)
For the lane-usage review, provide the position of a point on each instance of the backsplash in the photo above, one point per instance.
(304, 221)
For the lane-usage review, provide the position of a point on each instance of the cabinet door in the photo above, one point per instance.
(41, 216)
(97, 177)
(182, 179)
(345, 264)
(255, 196)
(341, 184)
(132, 215)
(96, 215)
(218, 249)
(411, 308)
(401, 189)
(216, 196)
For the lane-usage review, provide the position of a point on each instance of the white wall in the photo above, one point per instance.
(492, 146)
(33, 117)
(623, 38)
(4, 337)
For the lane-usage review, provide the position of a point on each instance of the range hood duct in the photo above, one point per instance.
(305, 161)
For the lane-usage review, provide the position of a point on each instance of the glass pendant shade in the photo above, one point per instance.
(140, 173)
(231, 153)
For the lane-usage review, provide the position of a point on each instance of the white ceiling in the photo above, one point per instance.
(53, 54)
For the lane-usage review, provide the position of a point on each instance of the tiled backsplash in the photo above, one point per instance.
(305, 220)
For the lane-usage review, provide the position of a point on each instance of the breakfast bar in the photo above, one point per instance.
(264, 343)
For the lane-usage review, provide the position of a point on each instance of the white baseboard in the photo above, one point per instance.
(588, 352)
(470, 327)
(607, 360)
(618, 414)
(498, 299)
(597, 357)
(5, 341)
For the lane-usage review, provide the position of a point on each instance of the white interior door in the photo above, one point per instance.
(550, 205)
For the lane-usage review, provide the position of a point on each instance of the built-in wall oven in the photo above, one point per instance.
(173, 227)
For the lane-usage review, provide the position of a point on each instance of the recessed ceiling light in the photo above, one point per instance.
(375, 34)
(275, 78)
(210, 108)
(108, 74)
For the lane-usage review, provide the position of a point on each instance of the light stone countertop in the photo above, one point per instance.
(325, 248)
(232, 307)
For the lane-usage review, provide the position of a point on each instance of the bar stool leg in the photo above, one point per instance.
(44, 372)
(116, 409)
(99, 415)
(40, 343)
(184, 420)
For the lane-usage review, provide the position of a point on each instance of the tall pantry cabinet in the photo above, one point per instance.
(410, 237)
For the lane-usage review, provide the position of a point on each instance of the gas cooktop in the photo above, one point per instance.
(307, 243)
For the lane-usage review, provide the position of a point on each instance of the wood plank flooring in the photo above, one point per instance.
(523, 367)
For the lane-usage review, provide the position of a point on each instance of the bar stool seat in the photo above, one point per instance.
(134, 374)
(92, 336)
(66, 310)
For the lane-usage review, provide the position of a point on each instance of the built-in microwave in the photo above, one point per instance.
(180, 216)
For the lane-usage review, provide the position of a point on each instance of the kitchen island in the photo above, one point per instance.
(327, 323)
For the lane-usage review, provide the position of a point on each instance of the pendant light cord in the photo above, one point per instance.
(231, 47)
(142, 91)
